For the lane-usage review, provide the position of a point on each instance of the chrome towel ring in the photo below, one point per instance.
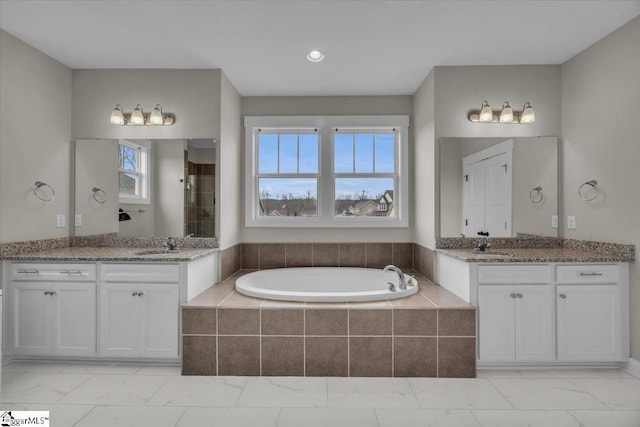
(44, 191)
(99, 195)
(536, 195)
(589, 190)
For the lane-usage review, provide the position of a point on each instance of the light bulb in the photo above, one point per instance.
(315, 56)
(528, 115)
(486, 115)
(137, 116)
(117, 117)
(506, 115)
(155, 118)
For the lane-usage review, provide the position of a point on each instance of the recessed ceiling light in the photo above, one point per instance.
(315, 56)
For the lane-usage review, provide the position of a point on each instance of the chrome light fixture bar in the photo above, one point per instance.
(507, 115)
(139, 118)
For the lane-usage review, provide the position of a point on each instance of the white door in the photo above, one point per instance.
(119, 319)
(74, 319)
(589, 323)
(496, 313)
(473, 193)
(30, 314)
(498, 179)
(534, 323)
(159, 320)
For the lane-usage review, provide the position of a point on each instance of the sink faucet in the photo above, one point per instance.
(402, 283)
(171, 244)
(483, 245)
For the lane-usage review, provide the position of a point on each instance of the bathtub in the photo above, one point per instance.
(324, 284)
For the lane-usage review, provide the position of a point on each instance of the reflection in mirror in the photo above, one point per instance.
(151, 188)
(506, 187)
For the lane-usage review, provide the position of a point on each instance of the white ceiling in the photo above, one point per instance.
(372, 47)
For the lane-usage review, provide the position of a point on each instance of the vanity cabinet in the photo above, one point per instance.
(52, 310)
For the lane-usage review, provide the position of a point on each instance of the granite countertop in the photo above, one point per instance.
(533, 255)
(112, 254)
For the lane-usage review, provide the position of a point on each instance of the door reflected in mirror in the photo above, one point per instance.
(148, 188)
(507, 187)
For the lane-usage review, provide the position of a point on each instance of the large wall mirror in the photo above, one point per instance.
(145, 188)
(507, 187)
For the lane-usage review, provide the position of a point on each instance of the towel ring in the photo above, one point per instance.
(99, 195)
(536, 195)
(589, 190)
(44, 191)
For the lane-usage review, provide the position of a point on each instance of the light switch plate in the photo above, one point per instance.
(554, 221)
(571, 222)
(78, 221)
(60, 221)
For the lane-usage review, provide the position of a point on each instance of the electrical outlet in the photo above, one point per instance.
(78, 222)
(554, 221)
(571, 222)
(60, 221)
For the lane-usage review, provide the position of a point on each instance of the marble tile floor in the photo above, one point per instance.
(95, 395)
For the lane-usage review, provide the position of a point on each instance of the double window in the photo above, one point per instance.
(328, 171)
(133, 171)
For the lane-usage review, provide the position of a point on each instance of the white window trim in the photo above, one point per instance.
(326, 190)
(145, 174)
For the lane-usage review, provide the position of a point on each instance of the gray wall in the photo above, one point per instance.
(325, 105)
(601, 140)
(35, 141)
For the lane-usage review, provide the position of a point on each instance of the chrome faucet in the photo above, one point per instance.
(483, 245)
(171, 244)
(402, 283)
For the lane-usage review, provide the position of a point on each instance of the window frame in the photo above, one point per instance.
(326, 126)
(143, 172)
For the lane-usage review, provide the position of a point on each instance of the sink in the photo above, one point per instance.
(157, 252)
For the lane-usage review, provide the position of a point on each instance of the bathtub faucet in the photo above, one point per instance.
(402, 284)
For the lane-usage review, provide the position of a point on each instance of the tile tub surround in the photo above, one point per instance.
(429, 334)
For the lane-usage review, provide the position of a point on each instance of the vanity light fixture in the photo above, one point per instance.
(138, 118)
(315, 56)
(507, 115)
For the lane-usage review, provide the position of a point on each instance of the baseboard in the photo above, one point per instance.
(633, 367)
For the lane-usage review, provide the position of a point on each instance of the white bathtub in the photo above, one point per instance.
(324, 284)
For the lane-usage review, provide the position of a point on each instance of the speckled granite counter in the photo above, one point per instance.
(517, 255)
(112, 254)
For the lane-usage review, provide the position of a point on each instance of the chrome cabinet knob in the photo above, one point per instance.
(519, 295)
(135, 294)
(563, 296)
(512, 295)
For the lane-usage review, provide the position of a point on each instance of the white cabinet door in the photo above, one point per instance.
(118, 319)
(534, 323)
(159, 320)
(496, 314)
(589, 323)
(74, 319)
(30, 313)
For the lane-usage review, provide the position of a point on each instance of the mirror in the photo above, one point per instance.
(507, 187)
(145, 188)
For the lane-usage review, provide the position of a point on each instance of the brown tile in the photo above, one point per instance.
(238, 355)
(298, 255)
(238, 321)
(238, 300)
(326, 322)
(198, 320)
(415, 357)
(227, 263)
(198, 355)
(283, 356)
(441, 297)
(212, 296)
(250, 252)
(327, 356)
(427, 263)
(417, 258)
(283, 321)
(272, 255)
(416, 300)
(403, 255)
(452, 322)
(237, 257)
(370, 357)
(352, 255)
(370, 304)
(282, 304)
(415, 322)
(456, 357)
(379, 255)
(370, 322)
(326, 255)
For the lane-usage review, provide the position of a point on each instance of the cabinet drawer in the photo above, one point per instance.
(514, 274)
(52, 272)
(140, 273)
(587, 273)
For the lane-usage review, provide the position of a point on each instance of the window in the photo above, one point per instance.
(133, 171)
(327, 171)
